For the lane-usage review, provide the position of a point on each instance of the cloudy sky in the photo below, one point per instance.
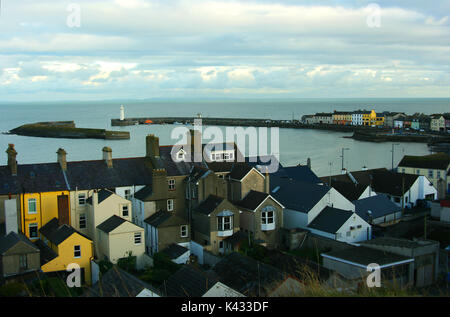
(122, 49)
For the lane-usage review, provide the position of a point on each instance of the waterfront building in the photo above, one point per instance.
(324, 118)
(342, 118)
(438, 123)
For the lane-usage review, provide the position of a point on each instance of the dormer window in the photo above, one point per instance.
(268, 218)
(181, 155)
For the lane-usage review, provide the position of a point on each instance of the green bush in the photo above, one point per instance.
(12, 290)
(127, 264)
(155, 276)
(162, 261)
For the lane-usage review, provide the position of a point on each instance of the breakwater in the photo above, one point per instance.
(67, 129)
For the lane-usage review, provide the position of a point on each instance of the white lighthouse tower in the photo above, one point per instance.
(122, 113)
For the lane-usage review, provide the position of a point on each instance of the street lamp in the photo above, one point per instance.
(343, 149)
(393, 154)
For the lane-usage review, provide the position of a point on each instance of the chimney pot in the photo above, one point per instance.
(62, 159)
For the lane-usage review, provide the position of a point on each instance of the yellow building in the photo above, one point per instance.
(61, 245)
(342, 118)
(371, 118)
(37, 209)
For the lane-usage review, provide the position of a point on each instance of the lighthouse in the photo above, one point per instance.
(122, 113)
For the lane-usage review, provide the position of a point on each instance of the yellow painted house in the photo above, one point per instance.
(62, 245)
(371, 118)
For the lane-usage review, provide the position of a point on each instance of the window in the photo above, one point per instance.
(403, 170)
(184, 231)
(224, 223)
(267, 217)
(171, 184)
(137, 238)
(81, 199)
(430, 174)
(349, 233)
(33, 229)
(128, 194)
(82, 221)
(418, 172)
(438, 174)
(221, 245)
(32, 209)
(77, 251)
(169, 204)
(125, 211)
(23, 261)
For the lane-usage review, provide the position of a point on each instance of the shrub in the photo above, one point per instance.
(12, 290)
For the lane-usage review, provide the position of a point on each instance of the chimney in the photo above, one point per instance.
(308, 162)
(107, 156)
(152, 145)
(62, 158)
(195, 142)
(12, 163)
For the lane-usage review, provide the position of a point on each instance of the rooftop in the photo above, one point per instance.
(440, 161)
(330, 220)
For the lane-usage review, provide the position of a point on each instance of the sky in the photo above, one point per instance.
(138, 49)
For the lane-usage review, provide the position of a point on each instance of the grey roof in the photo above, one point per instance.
(56, 233)
(302, 173)
(364, 256)
(189, 281)
(379, 206)
(261, 162)
(164, 218)
(144, 193)
(240, 170)
(440, 161)
(96, 174)
(252, 200)
(296, 195)
(118, 283)
(11, 239)
(399, 242)
(349, 190)
(330, 219)
(102, 195)
(198, 173)
(32, 178)
(174, 251)
(172, 167)
(46, 253)
(110, 224)
(209, 204)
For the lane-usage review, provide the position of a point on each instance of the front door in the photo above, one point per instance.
(63, 209)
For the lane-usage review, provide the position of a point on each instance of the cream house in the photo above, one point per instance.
(119, 238)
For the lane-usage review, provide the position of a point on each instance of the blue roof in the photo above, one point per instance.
(379, 206)
(296, 195)
(302, 173)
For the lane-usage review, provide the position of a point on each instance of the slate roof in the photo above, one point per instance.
(56, 233)
(174, 251)
(102, 195)
(172, 167)
(296, 195)
(118, 283)
(379, 206)
(365, 256)
(209, 204)
(252, 200)
(439, 161)
(349, 190)
(11, 239)
(110, 224)
(95, 174)
(302, 173)
(189, 281)
(381, 180)
(263, 161)
(32, 178)
(248, 276)
(398, 242)
(330, 219)
(198, 173)
(240, 170)
(144, 193)
(164, 218)
(46, 253)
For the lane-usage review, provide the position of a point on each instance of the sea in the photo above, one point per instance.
(295, 146)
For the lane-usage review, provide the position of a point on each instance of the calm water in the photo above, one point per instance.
(295, 145)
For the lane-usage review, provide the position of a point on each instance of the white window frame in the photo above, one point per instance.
(223, 221)
(75, 251)
(81, 199)
(170, 204)
(34, 225)
(184, 228)
(127, 194)
(32, 200)
(171, 183)
(82, 218)
(137, 236)
(127, 208)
